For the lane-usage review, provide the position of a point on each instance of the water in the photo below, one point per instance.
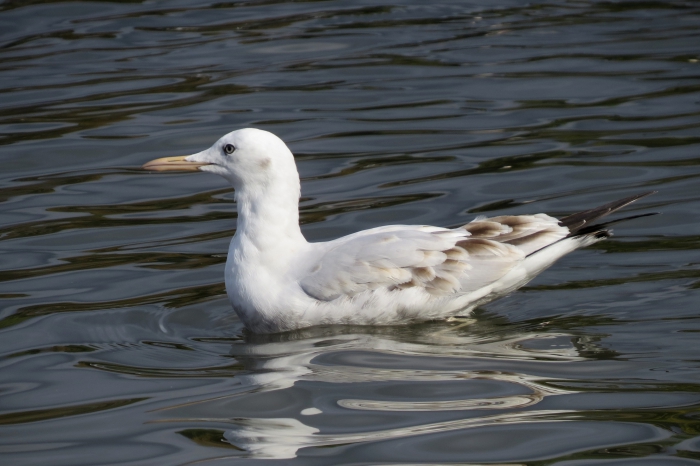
(117, 343)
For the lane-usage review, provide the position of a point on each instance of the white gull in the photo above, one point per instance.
(277, 281)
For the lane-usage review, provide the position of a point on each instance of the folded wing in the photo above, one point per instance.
(438, 261)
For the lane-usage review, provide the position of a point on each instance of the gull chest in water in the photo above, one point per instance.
(277, 281)
(261, 285)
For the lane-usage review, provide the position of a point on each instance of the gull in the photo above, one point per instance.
(398, 274)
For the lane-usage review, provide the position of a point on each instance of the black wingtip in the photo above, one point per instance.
(600, 227)
(580, 223)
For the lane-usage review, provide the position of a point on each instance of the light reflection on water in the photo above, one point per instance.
(117, 343)
(282, 437)
(480, 364)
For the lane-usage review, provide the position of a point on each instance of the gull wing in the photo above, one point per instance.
(440, 261)
(529, 233)
(444, 261)
(532, 233)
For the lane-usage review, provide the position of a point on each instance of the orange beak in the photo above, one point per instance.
(173, 164)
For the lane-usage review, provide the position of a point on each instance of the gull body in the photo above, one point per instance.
(277, 281)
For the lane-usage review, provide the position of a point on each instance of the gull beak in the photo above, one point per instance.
(173, 164)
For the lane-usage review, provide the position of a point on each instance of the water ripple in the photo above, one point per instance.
(117, 337)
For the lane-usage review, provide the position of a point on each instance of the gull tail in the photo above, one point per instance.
(582, 232)
(581, 223)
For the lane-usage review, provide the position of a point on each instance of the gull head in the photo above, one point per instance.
(247, 158)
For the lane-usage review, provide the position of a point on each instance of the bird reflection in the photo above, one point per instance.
(278, 362)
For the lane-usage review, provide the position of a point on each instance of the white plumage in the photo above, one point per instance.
(277, 281)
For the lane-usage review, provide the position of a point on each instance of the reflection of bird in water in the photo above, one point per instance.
(482, 365)
(277, 281)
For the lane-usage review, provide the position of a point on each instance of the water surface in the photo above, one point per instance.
(118, 345)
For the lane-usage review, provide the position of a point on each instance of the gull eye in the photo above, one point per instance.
(228, 148)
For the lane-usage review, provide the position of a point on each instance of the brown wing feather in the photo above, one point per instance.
(528, 232)
(491, 258)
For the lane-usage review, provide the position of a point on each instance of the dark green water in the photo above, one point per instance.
(118, 345)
